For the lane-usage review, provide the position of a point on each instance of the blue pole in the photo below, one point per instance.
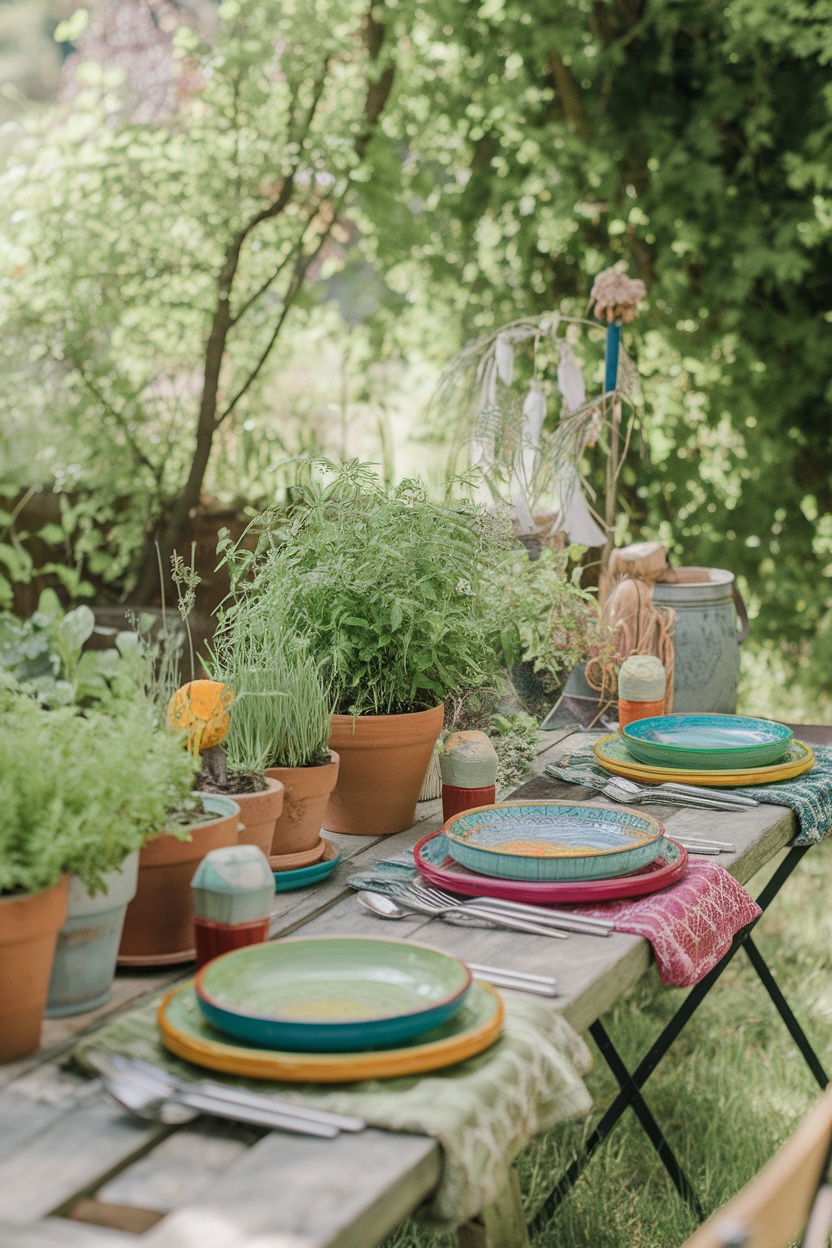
(611, 356)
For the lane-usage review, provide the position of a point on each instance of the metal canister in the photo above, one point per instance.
(711, 624)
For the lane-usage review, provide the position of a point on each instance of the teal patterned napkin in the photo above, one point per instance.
(809, 795)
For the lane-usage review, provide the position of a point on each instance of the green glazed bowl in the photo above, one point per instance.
(331, 994)
(707, 742)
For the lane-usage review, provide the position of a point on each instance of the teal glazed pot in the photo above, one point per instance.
(707, 640)
(87, 948)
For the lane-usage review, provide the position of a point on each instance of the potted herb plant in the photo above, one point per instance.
(389, 589)
(280, 723)
(69, 830)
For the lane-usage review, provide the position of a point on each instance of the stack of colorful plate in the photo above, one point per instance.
(719, 751)
(551, 853)
(331, 1009)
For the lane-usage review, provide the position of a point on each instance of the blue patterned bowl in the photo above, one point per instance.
(707, 742)
(551, 841)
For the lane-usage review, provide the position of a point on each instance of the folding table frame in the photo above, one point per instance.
(631, 1082)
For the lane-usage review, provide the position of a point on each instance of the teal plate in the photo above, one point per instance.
(547, 842)
(286, 881)
(707, 742)
(331, 994)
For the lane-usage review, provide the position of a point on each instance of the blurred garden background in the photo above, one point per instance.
(234, 233)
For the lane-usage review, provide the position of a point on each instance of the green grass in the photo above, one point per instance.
(729, 1093)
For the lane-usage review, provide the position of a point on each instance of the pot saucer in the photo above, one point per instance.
(158, 959)
(291, 862)
(286, 881)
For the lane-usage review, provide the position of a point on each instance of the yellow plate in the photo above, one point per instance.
(613, 755)
(188, 1034)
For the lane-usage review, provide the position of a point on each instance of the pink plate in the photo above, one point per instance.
(435, 865)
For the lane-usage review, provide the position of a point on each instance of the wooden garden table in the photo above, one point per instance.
(77, 1173)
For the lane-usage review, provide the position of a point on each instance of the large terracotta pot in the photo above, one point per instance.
(384, 760)
(159, 925)
(29, 926)
(259, 813)
(298, 828)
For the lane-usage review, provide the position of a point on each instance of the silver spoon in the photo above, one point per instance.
(176, 1108)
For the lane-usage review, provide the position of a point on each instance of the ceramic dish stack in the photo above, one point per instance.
(331, 1010)
(711, 751)
(550, 853)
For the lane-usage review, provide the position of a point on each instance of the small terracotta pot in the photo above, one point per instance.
(214, 939)
(384, 761)
(298, 828)
(259, 813)
(29, 926)
(456, 799)
(159, 925)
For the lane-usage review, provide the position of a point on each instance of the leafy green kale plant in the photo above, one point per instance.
(44, 658)
(391, 590)
(80, 792)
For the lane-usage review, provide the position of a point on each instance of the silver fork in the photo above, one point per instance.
(408, 896)
(556, 918)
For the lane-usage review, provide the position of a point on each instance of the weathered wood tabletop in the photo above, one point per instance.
(73, 1168)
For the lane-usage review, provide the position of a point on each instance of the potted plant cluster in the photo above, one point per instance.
(280, 723)
(69, 840)
(392, 594)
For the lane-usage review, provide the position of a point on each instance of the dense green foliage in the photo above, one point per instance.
(392, 592)
(456, 167)
(688, 141)
(79, 793)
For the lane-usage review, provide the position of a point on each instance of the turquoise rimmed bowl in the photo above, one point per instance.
(552, 841)
(707, 742)
(331, 994)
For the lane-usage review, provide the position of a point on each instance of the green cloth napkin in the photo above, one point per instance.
(481, 1111)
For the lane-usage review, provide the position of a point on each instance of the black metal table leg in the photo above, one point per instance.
(631, 1091)
(631, 1083)
(785, 1011)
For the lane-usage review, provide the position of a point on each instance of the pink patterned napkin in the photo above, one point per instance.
(690, 924)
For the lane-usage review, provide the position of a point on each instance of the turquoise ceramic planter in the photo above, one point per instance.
(552, 841)
(331, 995)
(85, 955)
(707, 742)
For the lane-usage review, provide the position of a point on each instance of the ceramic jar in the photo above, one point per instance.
(232, 892)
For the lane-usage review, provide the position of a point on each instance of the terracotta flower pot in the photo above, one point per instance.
(29, 926)
(159, 925)
(298, 828)
(259, 813)
(384, 760)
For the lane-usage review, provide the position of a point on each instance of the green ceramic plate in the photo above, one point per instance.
(707, 742)
(187, 1033)
(331, 994)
